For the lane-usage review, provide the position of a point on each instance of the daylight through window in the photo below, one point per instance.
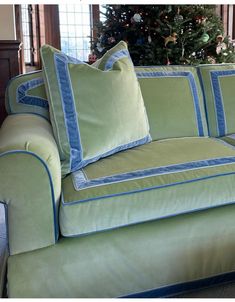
(76, 30)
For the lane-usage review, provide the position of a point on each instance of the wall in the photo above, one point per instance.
(7, 22)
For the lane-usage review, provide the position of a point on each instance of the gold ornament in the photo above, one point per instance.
(219, 39)
(171, 38)
(220, 46)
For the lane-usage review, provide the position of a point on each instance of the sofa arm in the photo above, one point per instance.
(30, 181)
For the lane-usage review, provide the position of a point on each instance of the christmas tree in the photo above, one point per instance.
(165, 34)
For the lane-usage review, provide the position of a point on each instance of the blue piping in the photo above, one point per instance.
(146, 189)
(174, 289)
(147, 220)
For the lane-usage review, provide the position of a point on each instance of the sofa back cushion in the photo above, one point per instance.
(173, 100)
(26, 94)
(218, 82)
(172, 96)
(94, 112)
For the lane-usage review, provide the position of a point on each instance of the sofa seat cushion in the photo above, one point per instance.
(153, 181)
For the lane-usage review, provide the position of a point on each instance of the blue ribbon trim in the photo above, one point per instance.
(23, 98)
(81, 182)
(70, 113)
(218, 98)
(71, 116)
(124, 53)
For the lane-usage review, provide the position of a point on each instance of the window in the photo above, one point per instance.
(66, 27)
(26, 15)
(76, 29)
(102, 13)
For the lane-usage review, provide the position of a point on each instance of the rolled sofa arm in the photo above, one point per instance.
(30, 181)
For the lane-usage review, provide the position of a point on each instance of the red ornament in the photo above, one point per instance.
(200, 19)
(92, 58)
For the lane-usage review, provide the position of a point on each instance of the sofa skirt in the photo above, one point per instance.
(160, 258)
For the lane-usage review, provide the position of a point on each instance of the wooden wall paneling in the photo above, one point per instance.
(233, 24)
(9, 67)
(225, 19)
(36, 36)
(95, 18)
(19, 37)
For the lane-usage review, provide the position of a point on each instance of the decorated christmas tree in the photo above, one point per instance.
(165, 34)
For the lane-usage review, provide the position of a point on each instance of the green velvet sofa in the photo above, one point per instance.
(150, 221)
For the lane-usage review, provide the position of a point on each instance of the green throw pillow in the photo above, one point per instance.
(94, 112)
(218, 82)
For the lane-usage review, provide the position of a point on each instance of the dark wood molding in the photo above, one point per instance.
(45, 29)
(36, 36)
(233, 26)
(9, 67)
(19, 36)
(9, 44)
(224, 17)
(52, 25)
(95, 19)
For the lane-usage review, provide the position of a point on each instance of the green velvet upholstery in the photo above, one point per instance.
(30, 164)
(230, 139)
(94, 112)
(129, 260)
(26, 94)
(146, 230)
(109, 204)
(173, 100)
(218, 82)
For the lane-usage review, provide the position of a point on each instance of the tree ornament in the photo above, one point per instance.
(204, 38)
(220, 46)
(211, 59)
(149, 39)
(92, 58)
(171, 38)
(178, 18)
(200, 19)
(99, 47)
(204, 19)
(219, 39)
(137, 18)
(200, 54)
(111, 40)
